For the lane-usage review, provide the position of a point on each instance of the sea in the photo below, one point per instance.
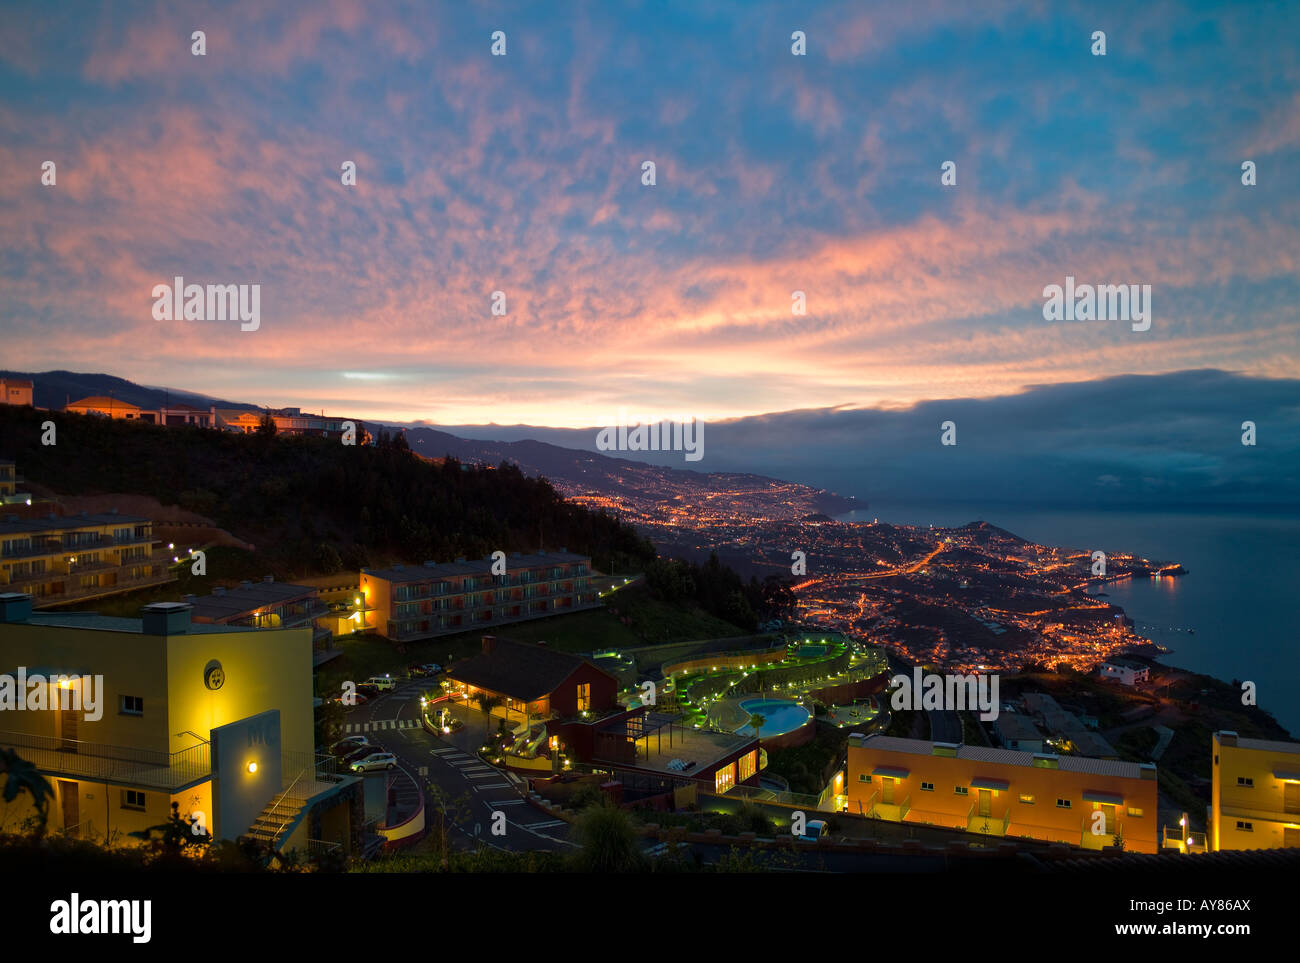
(1232, 616)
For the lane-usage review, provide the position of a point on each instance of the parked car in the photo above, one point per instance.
(367, 690)
(383, 683)
(359, 697)
(358, 754)
(348, 745)
(376, 760)
(418, 670)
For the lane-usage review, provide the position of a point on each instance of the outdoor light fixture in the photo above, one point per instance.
(252, 767)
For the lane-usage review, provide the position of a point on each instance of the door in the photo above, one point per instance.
(1109, 810)
(1290, 837)
(1291, 797)
(986, 802)
(71, 813)
(68, 729)
(887, 794)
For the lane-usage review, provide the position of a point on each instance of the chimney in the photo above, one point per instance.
(166, 618)
(15, 607)
(489, 644)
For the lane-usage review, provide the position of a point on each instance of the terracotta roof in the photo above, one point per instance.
(519, 670)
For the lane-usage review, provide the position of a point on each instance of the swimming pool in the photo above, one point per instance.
(780, 715)
(811, 650)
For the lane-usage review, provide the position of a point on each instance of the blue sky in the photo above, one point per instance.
(521, 173)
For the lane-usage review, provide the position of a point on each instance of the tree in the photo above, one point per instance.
(266, 427)
(607, 841)
(22, 776)
(486, 703)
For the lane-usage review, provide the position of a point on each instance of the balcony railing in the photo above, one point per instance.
(1174, 837)
(124, 765)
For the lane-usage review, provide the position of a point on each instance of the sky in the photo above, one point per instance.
(522, 173)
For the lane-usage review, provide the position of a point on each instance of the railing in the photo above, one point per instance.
(116, 764)
(55, 546)
(320, 847)
(1175, 837)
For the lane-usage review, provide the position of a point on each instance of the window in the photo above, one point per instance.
(132, 799)
(584, 696)
(1027, 799)
(961, 790)
(724, 778)
(1245, 827)
(1246, 781)
(132, 705)
(927, 786)
(864, 777)
(748, 765)
(1062, 804)
(1135, 812)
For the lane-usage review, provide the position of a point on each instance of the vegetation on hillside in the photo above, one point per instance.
(312, 504)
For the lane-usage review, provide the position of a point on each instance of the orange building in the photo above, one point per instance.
(1004, 793)
(16, 391)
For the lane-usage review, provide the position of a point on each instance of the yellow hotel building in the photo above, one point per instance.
(1004, 793)
(216, 718)
(1255, 794)
(67, 558)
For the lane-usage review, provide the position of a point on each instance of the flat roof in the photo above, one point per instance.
(20, 525)
(702, 747)
(483, 566)
(113, 623)
(1268, 745)
(1006, 757)
(244, 599)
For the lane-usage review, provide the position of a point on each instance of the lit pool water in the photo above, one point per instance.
(781, 716)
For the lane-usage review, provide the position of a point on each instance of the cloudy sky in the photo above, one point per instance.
(522, 174)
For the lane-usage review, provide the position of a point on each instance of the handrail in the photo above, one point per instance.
(148, 767)
(284, 795)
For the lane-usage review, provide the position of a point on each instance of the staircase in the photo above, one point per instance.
(283, 813)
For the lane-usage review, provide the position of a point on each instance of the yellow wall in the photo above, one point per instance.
(1260, 805)
(1041, 819)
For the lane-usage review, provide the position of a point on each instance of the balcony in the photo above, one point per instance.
(62, 592)
(1090, 840)
(988, 825)
(1174, 837)
(120, 765)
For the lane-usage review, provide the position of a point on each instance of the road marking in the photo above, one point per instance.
(503, 802)
(490, 774)
(424, 771)
(495, 785)
(545, 825)
(439, 752)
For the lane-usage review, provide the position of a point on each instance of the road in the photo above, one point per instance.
(472, 789)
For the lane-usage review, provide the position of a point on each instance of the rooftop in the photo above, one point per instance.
(17, 526)
(1003, 757)
(248, 597)
(112, 623)
(1014, 725)
(520, 670)
(478, 566)
(1262, 745)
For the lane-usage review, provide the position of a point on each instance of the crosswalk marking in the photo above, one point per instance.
(495, 785)
(490, 774)
(439, 752)
(503, 802)
(545, 825)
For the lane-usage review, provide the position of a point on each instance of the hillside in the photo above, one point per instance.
(54, 389)
(313, 505)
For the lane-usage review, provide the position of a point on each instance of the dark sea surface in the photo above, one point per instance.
(1239, 594)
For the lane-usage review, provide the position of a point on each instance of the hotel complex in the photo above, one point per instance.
(1255, 795)
(269, 604)
(406, 603)
(61, 559)
(1004, 793)
(215, 718)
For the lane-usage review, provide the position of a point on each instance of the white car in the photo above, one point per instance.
(376, 760)
(381, 682)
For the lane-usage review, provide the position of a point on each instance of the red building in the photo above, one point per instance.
(534, 679)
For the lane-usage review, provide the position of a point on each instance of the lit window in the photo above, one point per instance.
(724, 778)
(584, 696)
(748, 765)
(1135, 812)
(1027, 799)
